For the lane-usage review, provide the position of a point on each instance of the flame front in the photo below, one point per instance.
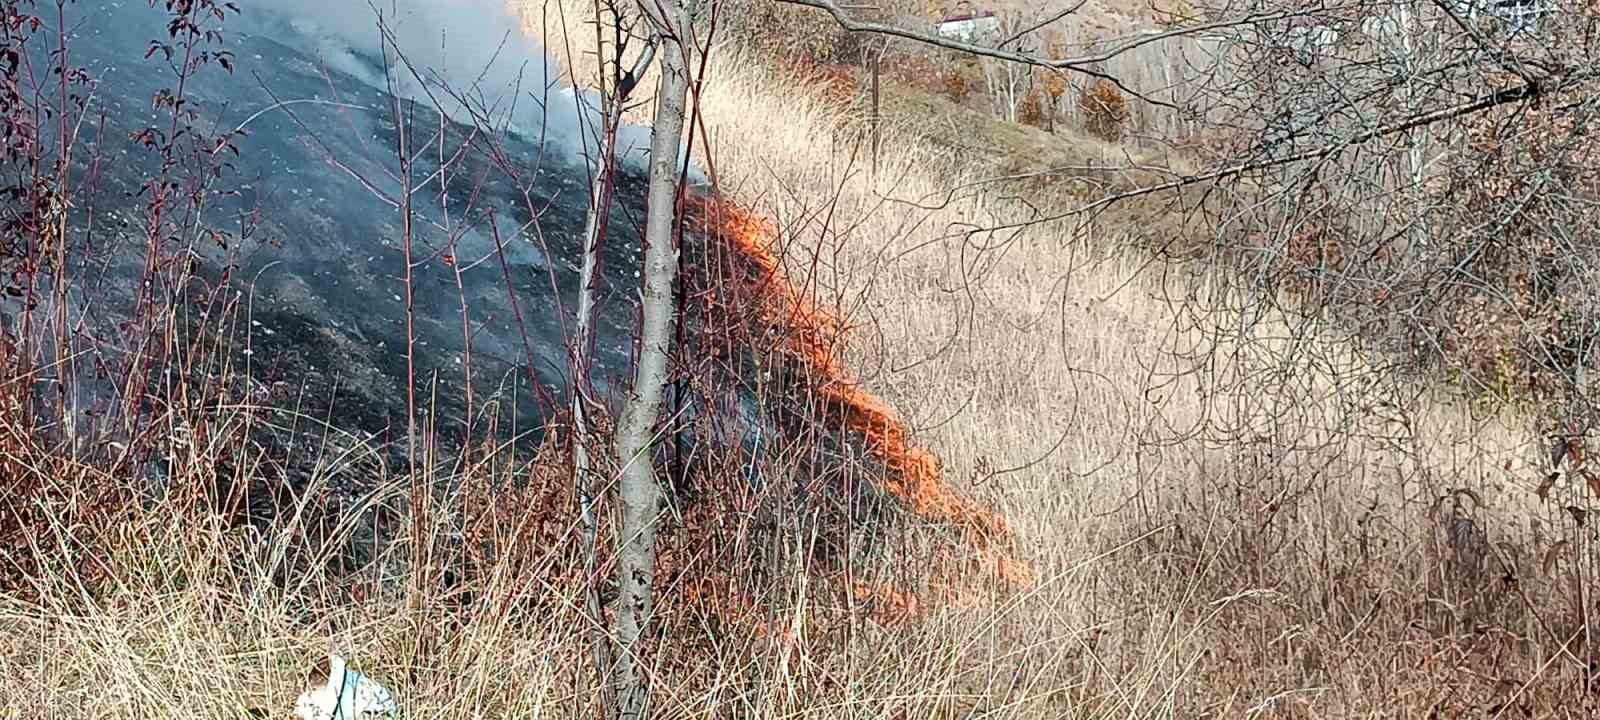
(809, 335)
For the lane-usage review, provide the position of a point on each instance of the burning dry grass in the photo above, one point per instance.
(815, 336)
(1236, 522)
(1217, 526)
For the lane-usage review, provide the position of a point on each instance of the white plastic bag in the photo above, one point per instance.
(348, 695)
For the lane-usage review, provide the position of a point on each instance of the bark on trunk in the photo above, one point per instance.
(613, 97)
(640, 493)
(582, 346)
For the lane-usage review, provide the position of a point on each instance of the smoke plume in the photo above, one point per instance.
(468, 53)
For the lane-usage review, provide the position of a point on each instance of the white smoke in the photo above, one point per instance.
(476, 49)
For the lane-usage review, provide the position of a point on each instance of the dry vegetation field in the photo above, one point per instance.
(1228, 527)
(1216, 533)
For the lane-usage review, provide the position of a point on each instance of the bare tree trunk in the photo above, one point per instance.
(614, 88)
(582, 342)
(1007, 81)
(640, 493)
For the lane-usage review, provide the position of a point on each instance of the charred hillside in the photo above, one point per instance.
(259, 211)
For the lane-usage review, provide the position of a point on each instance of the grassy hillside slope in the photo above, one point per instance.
(1219, 527)
(1222, 526)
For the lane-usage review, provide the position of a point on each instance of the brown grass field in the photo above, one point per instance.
(1210, 533)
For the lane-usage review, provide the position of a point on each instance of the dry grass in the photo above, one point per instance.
(1221, 538)
(1292, 491)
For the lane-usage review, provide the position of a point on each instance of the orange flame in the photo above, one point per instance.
(810, 336)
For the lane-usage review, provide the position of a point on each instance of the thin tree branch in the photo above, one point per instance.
(1042, 23)
(631, 78)
(1082, 64)
(1524, 92)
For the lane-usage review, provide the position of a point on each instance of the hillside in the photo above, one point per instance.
(989, 458)
(1224, 522)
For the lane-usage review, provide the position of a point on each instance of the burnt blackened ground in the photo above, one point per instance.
(314, 234)
(311, 245)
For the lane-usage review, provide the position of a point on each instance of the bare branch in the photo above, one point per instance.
(1042, 23)
(631, 78)
(1081, 64)
(1525, 92)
